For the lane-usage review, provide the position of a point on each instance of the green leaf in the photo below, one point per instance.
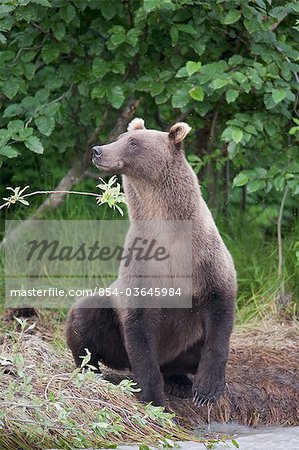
(231, 17)
(215, 68)
(278, 95)
(240, 180)
(235, 60)
(108, 9)
(179, 99)
(174, 34)
(182, 72)
(279, 13)
(49, 53)
(2, 38)
(144, 447)
(118, 39)
(118, 67)
(98, 92)
(34, 144)
(29, 70)
(156, 88)
(192, 67)
(14, 126)
(255, 185)
(231, 95)
(237, 135)
(4, 136)
(67, 13)
(42, 3)
(239, 77)
(10, 88)
(45, 125)
(6, 9)
(162, 98)
(150, 5)
(260, 172)
(226, 135)
(232, 149)
(12, 110)
(143, 83)
(100, 67)
(58, 29)
(25, 133)
(189, 29)
(269, 102)
(8, 151)
(116, 97)
(294, 130)
(250, 129)
(197, 93)
(219, 83)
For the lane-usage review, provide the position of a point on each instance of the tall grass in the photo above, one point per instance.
(256, 260)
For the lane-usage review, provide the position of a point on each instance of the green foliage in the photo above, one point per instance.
(275, 178)
(64, 64)
(228, 68)
(61, 59)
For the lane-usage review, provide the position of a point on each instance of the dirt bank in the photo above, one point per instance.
(262, 380)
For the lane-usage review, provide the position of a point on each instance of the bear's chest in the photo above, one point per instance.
(179, 330)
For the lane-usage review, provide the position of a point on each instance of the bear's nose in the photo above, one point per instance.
(97, 151)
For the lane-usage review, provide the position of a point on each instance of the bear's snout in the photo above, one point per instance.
(106, 159)
(96, 154)
(96, 151)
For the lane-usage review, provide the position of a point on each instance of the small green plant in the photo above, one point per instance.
(15, 197)
(111, 196)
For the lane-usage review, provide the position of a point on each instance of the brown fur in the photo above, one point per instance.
(159, 184)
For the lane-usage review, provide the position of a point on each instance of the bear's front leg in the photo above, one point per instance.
(209, 380)
(140, 327)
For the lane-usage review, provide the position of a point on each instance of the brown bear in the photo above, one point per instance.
(158, 344)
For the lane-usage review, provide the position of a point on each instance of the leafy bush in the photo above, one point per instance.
(66, 63)
(228, 68)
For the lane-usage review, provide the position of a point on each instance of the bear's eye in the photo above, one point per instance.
(133, 144)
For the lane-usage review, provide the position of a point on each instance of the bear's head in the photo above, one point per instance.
(140, 152)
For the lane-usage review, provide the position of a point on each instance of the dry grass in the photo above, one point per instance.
(262, 379)
(45, 404)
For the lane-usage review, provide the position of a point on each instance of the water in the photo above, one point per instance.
(266, 438)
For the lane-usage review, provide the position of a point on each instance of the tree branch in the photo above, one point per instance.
(279, 239)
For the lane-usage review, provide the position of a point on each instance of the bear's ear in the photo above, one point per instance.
(136, 124)
(178, 132)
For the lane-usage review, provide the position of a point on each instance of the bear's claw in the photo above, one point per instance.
(201, 401)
